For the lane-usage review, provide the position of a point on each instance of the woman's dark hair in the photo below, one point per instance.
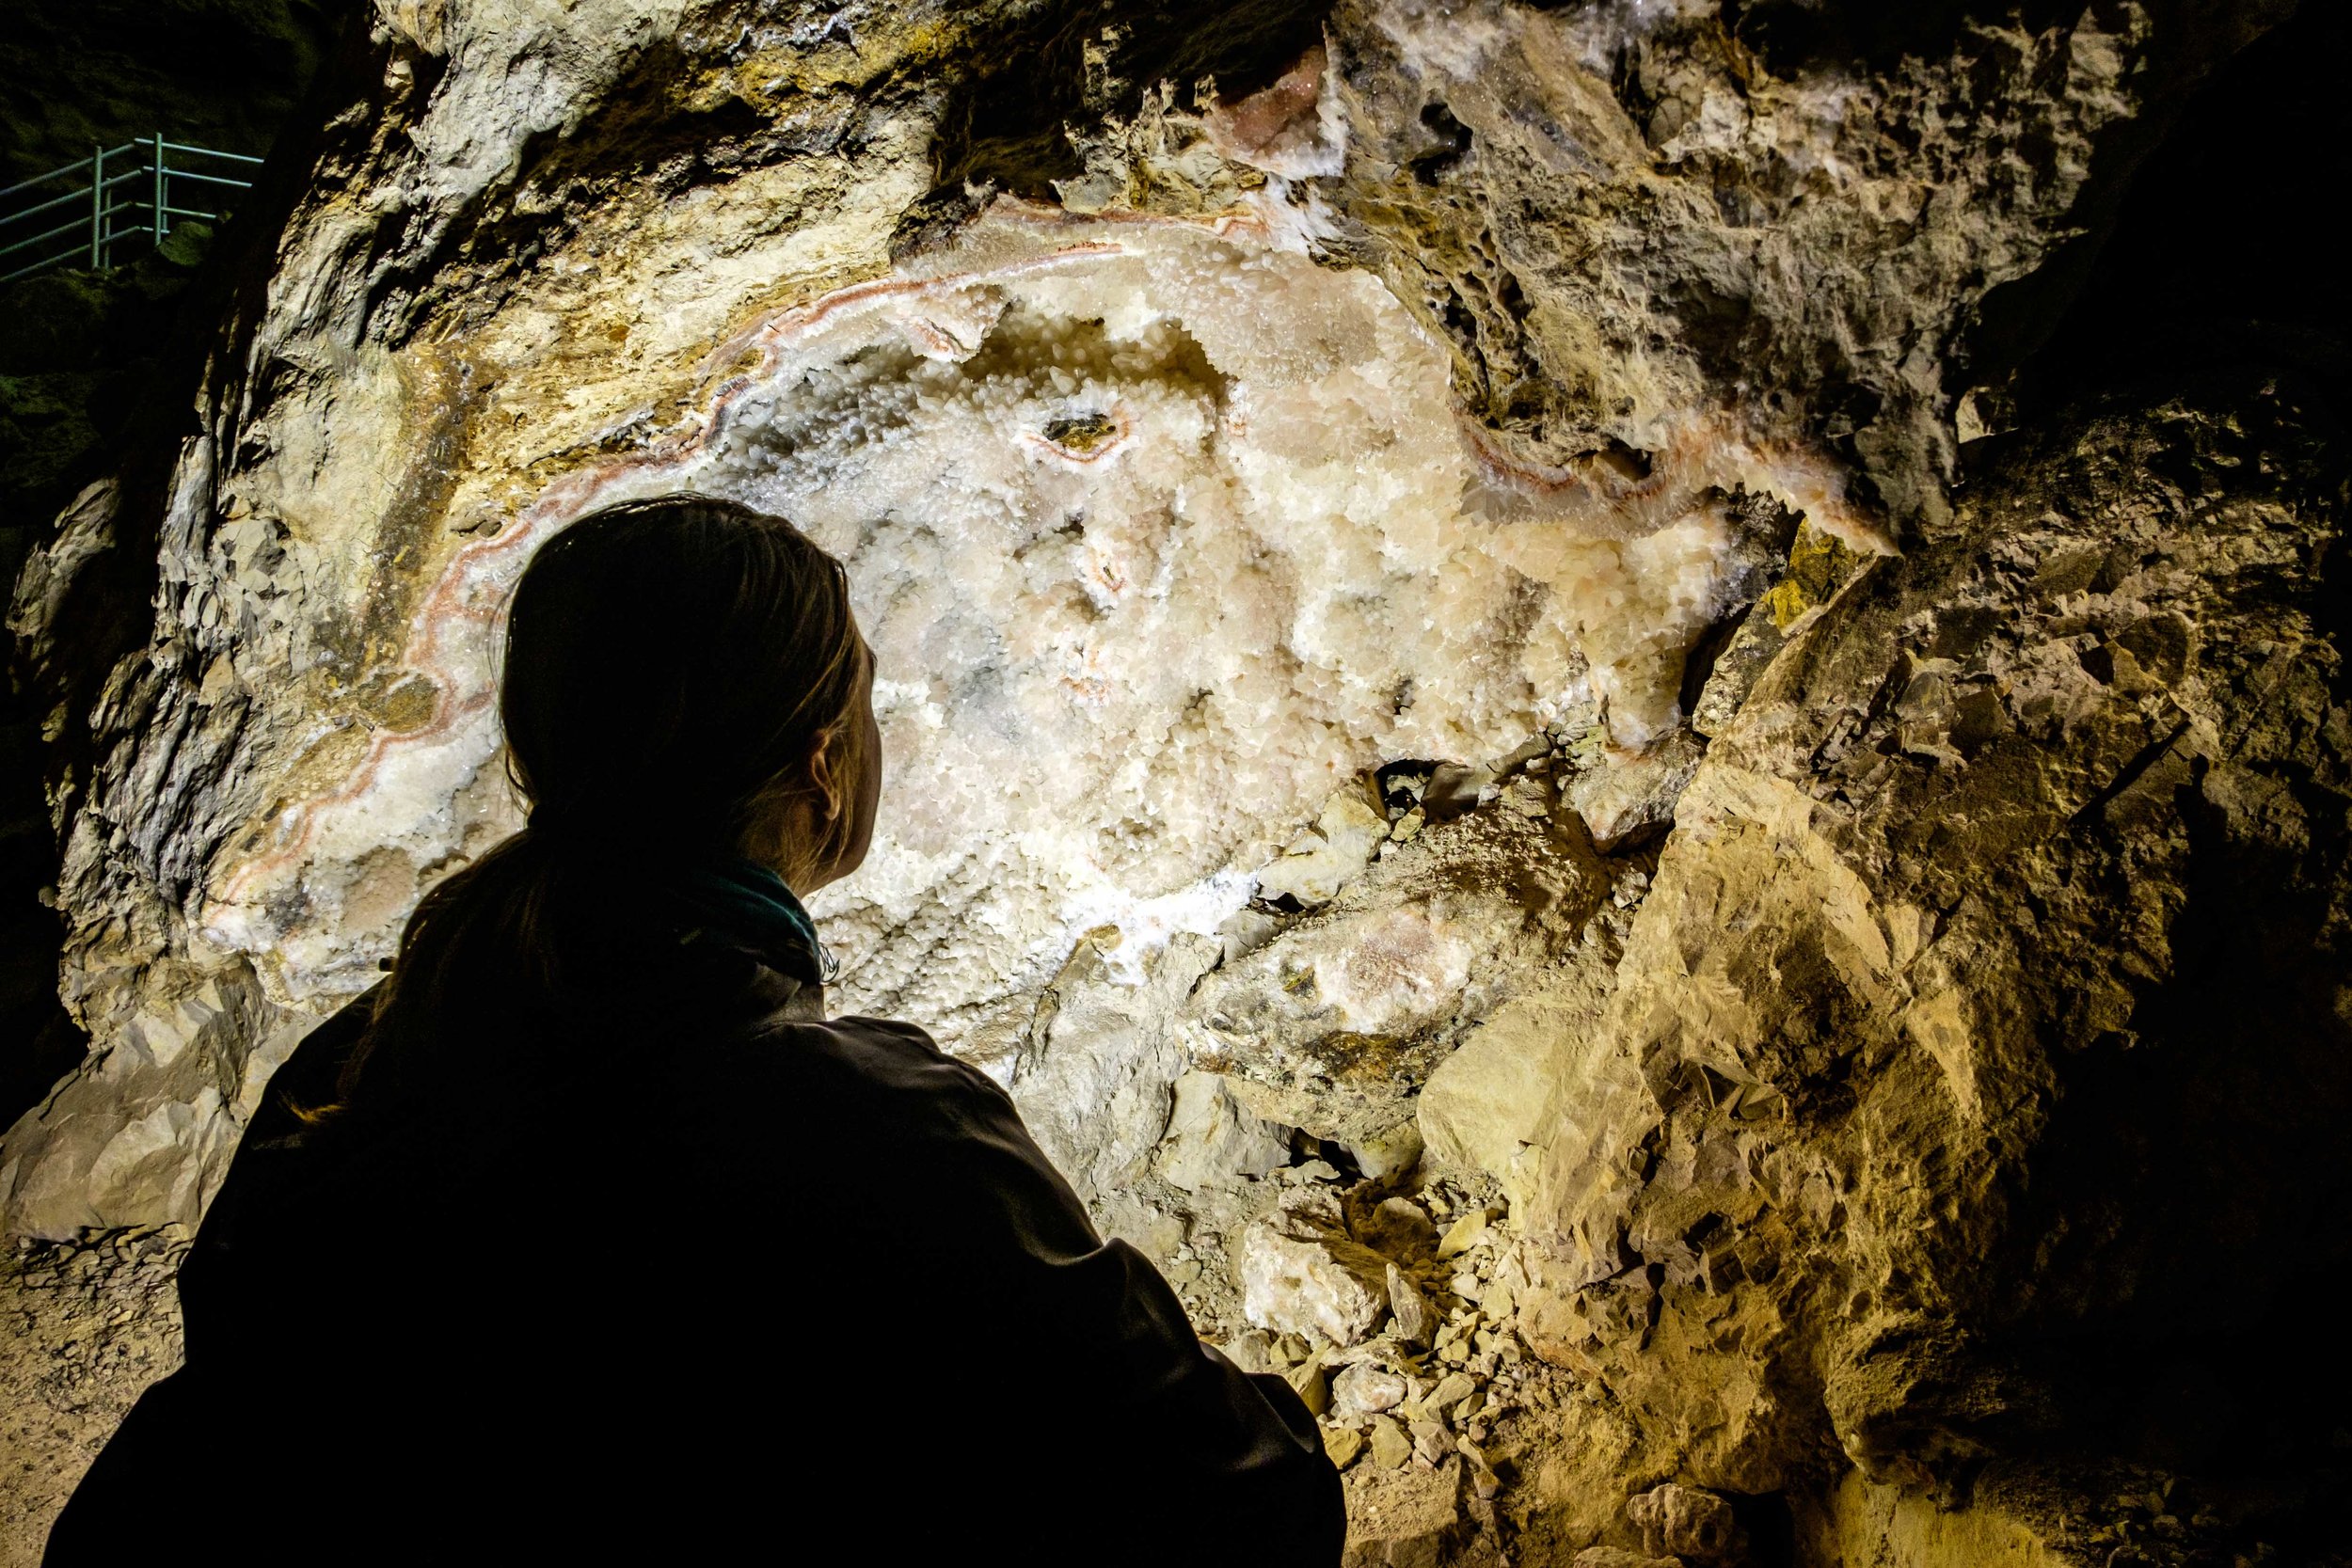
(670, 667)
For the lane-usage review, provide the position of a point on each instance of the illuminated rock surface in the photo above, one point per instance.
(1464, 734)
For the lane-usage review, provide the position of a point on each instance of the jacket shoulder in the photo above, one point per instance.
(887, 1088)
(881, 1067)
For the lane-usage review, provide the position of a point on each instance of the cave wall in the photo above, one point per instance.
(535, 248)
(1880, 1120)
(1986, 893)
(80, 354)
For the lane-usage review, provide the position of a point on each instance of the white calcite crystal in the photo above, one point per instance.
(1160, 532)
(1305, 1282)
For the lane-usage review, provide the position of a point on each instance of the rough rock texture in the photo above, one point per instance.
(1629, 221)
(1942, 1068)
(1333, 1024)
(89, 1324)
(546, 260)
(1545, 777)
(1312, 1282)
(80, 354)
(1684, 1522)
(1488, 1103)
(1212, 1138)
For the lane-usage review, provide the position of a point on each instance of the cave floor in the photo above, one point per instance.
(88, 1326)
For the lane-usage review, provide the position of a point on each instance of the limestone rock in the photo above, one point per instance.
(1364, 1389)
(1343, 1444)
(1932, 878)
(1248, 1349)
(1320, 1285)
(1989, 994)
(1685, 150)
(1399, 1227)
(1416, 1319)
(145, 1132)
(1096, 1085)
(290, 742)
(1367, 994)
(1618, 1556)
(1210, 1138)
(1685, 1522)
(1490, 1101)
(1465, 1233)
(1382, 1154)
(1451, 1389)
(1635, 797)
(1484, 1480)
(1312, 1385)
(1314, 869)
(1418, 1521)
(1432, 1442)
(1456, 789)
(82, 530)
(1390, 1448)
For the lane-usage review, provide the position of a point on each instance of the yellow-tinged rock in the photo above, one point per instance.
(1390, 1448)
(1463, 1234)
(1312, 1388)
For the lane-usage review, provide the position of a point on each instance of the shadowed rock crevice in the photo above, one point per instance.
(2216, 259)
(1006, 124)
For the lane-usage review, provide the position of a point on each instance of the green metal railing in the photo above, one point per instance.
(88, 213)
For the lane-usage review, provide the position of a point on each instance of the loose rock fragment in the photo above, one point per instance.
(1635, 797)
(1432, 1442)
(1463, 1234)
(1342, 1445)
(1484, 1107)
(1451, 1390)
(1311, 872)
(1454, 790)
(1481, 1475)
(1317, 1284)
(1249, 1351)
(1400, 1228)
(1363, 1389)
(1411, 1310)
(1212, 1138)
(1685, 1522)
(1389, 1153)
(1311, 1386)
(1390, 1448)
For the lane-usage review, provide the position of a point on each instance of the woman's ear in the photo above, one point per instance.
(824, 771)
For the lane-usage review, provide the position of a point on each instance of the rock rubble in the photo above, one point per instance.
(86, 1325)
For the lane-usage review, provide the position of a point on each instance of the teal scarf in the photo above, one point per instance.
(750, 903)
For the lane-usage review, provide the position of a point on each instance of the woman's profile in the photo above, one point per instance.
(587, 1237)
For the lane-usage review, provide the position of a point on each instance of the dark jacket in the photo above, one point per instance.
(685, 1273)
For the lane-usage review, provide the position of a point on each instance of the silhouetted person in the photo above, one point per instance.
(586, 1238)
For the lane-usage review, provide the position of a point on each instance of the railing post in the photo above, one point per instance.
(97, 201)
(163, 219)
